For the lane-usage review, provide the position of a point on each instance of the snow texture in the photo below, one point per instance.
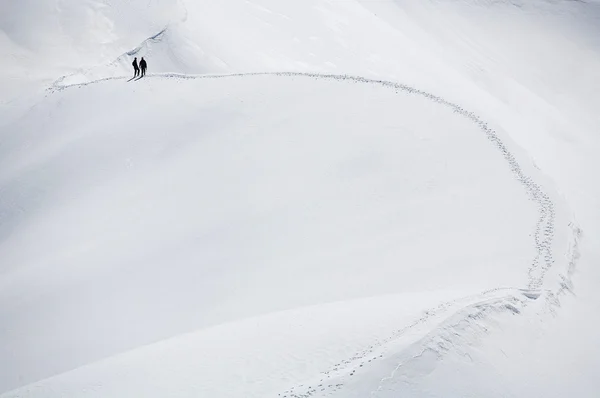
(301, 199)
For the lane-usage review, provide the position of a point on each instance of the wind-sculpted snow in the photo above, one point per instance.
(452, 326)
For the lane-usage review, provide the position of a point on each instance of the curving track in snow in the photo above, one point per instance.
(544, 229)
(446, 322)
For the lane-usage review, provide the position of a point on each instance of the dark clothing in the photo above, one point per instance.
(136, 69)
(143, 65)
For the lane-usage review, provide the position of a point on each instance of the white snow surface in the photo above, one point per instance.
(302, 199)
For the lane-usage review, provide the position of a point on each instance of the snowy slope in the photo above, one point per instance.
(220, 207)
(447, 229)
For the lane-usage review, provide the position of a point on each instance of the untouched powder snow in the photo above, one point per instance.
(303, 199)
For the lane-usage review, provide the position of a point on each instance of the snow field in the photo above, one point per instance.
(187, 240)
(454, 234)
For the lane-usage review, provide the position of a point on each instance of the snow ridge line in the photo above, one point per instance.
(468, 316)
(471, 321)
(544, 228)
(154, 38)
(58, 83)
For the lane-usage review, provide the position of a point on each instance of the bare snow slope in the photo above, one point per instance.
(131, 213)
(218, 199)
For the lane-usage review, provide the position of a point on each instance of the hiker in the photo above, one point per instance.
(143, 65)
(136, 69)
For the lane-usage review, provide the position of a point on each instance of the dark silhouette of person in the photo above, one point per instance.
(136, 69)
(143, 65)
